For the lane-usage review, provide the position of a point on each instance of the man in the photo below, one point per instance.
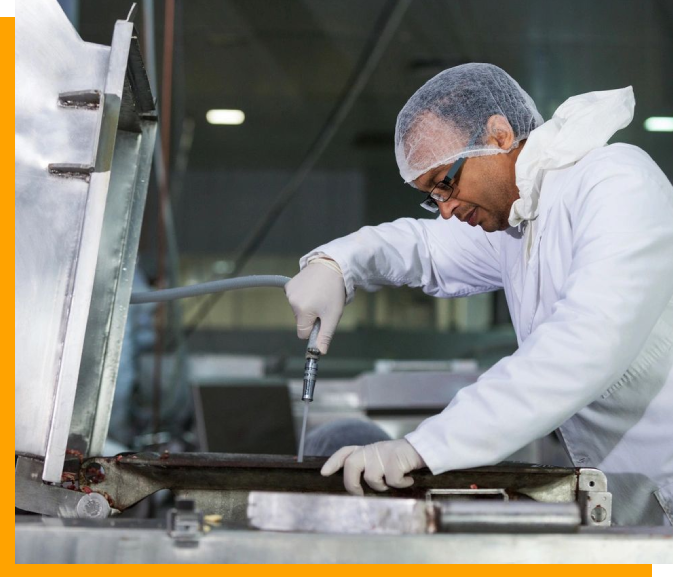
(580, 237)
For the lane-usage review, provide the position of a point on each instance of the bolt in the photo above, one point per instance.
(93, 506)
(598, 514)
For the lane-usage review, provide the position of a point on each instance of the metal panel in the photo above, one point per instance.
(64, 149)
(49, 211)
(337, 514)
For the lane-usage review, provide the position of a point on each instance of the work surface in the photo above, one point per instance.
(47, 540)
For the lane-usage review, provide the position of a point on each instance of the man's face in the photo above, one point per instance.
(484, 190)
(485, 186)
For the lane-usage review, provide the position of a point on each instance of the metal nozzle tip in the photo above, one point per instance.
(310, 371)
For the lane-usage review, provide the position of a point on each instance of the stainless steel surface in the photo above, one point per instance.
(116, 541)
(336, 514)
(54, 217)
(87, 254)
(69, 105)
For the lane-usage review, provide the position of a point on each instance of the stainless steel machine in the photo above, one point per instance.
(85, 129)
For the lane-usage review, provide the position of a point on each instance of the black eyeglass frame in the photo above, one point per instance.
(430, 202)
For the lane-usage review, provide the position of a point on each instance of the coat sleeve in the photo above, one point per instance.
(619, 283)
(445, 258)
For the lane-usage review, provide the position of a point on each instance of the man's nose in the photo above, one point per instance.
(446, 209)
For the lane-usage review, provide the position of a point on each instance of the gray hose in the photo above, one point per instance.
(216, 286)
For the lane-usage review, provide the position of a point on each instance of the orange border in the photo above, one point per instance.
(6, 241)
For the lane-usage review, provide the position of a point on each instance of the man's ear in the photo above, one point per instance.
(499, 132)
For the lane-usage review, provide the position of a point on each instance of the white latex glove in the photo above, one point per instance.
(391, 460)
(318, 291)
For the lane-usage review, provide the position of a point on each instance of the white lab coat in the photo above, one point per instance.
(590, 292)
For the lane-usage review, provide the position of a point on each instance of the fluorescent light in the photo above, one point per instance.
(659, 124)
(225, 116)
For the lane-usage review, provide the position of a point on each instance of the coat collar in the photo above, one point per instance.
(581, 124)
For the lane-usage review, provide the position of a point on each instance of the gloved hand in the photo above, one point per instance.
(391, 460)
(318, 291)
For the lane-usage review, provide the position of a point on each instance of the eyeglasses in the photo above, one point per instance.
(444, 189)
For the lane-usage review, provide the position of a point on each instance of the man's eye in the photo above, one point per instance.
(442, 186)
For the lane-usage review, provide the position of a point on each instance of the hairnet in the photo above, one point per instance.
(446, 118)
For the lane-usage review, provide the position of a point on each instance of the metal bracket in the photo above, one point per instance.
(594, 498)
(185, 523)
(81, 99)
(31, 494)
(77, 171)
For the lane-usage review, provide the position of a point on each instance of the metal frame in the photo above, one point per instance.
(220, 483)
(116, 260)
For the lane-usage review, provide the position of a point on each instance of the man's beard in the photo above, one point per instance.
(506, 198)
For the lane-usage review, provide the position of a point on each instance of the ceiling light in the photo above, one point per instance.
(225, 116)
(659, 124)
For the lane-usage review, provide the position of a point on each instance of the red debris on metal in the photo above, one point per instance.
(75, 453)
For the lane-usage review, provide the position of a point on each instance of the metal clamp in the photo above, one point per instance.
(185, 524)
(594, 498)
